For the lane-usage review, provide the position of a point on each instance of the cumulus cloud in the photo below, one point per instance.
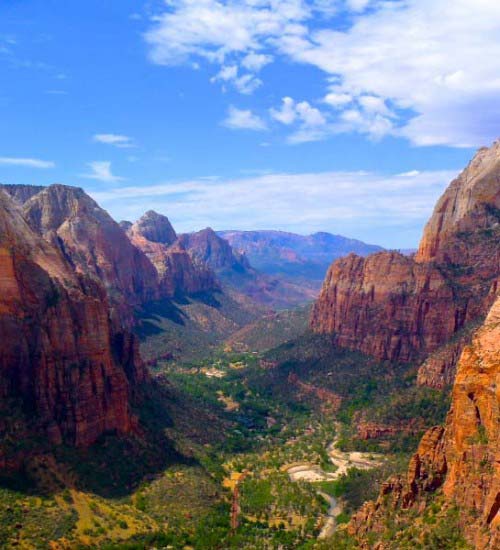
(214, 29)
(424, 70)
(436, 62)
(245, 84)
(256, 61)
(28, 162)
(243, 119)
(311, 122)
(117, 140)
(101, 171)
(391, 209)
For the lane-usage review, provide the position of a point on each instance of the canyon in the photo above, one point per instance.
(405, 308)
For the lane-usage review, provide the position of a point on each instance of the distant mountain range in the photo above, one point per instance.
(292, 255)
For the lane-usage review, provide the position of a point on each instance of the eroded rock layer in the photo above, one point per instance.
(93, 242)
(397, 307)
(61, 356)
(177, 270)
(460, 462)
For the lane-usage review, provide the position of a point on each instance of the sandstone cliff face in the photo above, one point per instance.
(178, 272)
(60, 354)
(21, 193)
(399, 308)
(469, 203)
(385, 305)
(472, 436)
(155, 228)
(462, 460)
(94, 244)
(207, 247)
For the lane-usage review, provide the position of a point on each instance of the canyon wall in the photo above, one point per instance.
(401, 308)
(177, 270)
(61, 356)
(460, 462)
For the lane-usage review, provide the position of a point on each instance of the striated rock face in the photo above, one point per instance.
(397, 307)
(438, 370)
(155, 228)
(461, 460)
(468, 204)
(472, 436)
(385, 305)
(93, 243)
(21, 193)
(60, 353)
(207, 247)
(178, 272)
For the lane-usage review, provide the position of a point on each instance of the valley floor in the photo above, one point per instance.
(251, 449)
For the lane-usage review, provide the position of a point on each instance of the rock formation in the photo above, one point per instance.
(206, 246)
(93, 243)
(460, 462)
(21, 193)
(155, 228)
(178, 272)
(400, 308)
(238, 276)
(61, 355)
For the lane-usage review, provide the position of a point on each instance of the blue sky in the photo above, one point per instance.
(347, 116)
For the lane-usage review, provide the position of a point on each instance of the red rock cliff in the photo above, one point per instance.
(178, 272)
(461, 461)
(59, 352)
(397, 307)
(93, 242)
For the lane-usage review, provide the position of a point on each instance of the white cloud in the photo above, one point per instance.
(29, 162)
(424, 70)
(255, 61)
(245, 84)
(117, 140)
(214, 29)
(243, 119)
(312, 123)
(287, 113)
(358, 5)
(309, 115)
(437, 59)
(337, 99)
(390, 209)
(101, 171)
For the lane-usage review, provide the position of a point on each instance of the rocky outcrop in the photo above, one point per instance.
(472, 437)
(471, 203)
(400, 308)
(385, 305)
(21, 193)
(438, 370)
(178, 272)
(93, 243)
(155, 228)
(207, 247)
(460, 461)
(61, 356)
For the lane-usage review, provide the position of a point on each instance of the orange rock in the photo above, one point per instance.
(463, 458)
